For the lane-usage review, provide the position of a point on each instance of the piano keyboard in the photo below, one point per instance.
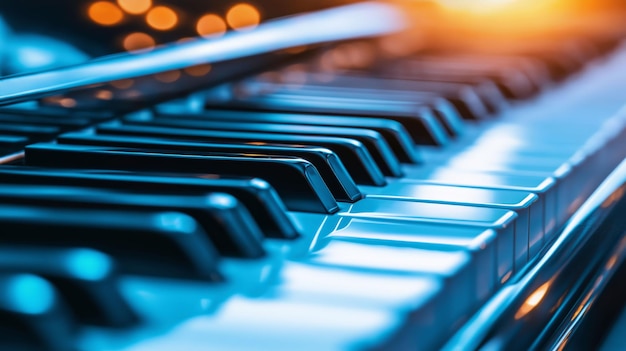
(297, 209)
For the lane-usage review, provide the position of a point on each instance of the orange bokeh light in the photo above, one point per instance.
(138, 41)
(162, 18)
(211, 25)
(243, 17)
(105, 13)
(135, 7)
(199, 70)
(168, 77)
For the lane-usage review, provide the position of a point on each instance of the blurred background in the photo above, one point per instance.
(41, 34)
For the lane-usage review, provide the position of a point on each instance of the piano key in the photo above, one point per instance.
(84, 278)
(413, 298)
(373, 141)
(296, 180)
(257, 195)
(55, 112)
(482, 244)
(12, 143)
(514, 84)
(163, 244)
(485, 89)
(226, 222)
(352, 153)
(453, 267)
(35, 133)
(394, 133)
(418, 119)
(444, 109)
(32, 315)
(327, 163)
(64, 124)
(463, 97)
(502, 221)
(528, 225)
(294, 324)
(545, 187)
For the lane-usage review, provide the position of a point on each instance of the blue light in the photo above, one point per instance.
(88, 264)
(29, 294)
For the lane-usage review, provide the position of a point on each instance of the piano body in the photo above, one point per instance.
(371, 176)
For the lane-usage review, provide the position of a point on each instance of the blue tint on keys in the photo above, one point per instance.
(528, 226)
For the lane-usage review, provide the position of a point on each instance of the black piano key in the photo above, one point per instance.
(327, 163)
(33, 132)
(394, 133)
(296, 180)
(352, 153)
(373, 141)
(64, 124)
(226, 222)
(484, 88)
(163, 244)
(12, 143)
(442, 109)
(58, 112)
(85, 278)
(257, 195)
(418, 119)
(514, 84)
(32, 315)
(462, 96)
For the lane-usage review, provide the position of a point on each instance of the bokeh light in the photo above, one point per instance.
(138, 41)
(162, 18)
(105, 13)
(243, 17)
(168, 76)
(211, 25)
(135, 7)
(198, 70)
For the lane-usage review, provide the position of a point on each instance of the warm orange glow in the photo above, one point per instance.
(532, 301)
(67, 102)
(135, 7)
(198, 71)
(211, 25)
(162, 18)
(138, 41)
(168, 77)
(243, 17)
(105, 13)
(104, 95)
(123, 84)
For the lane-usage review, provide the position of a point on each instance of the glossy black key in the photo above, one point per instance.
(33, 317)
(64, 124)
(484, 88)
(512, 80)
(296, 180)
(34, 133)
(352, 152)
(463, 96)
(85, 278)
(12, 143)
(394, 133)
(327, 163)
(373, 141)
(418, 119)
(227, 223)
(57, 112)
(257, 195)
(164, 244)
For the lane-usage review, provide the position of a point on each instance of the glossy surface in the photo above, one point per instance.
(295, 179)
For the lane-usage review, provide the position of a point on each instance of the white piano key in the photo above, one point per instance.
(528, 227)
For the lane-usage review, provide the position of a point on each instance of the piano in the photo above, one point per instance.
(366, 176)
